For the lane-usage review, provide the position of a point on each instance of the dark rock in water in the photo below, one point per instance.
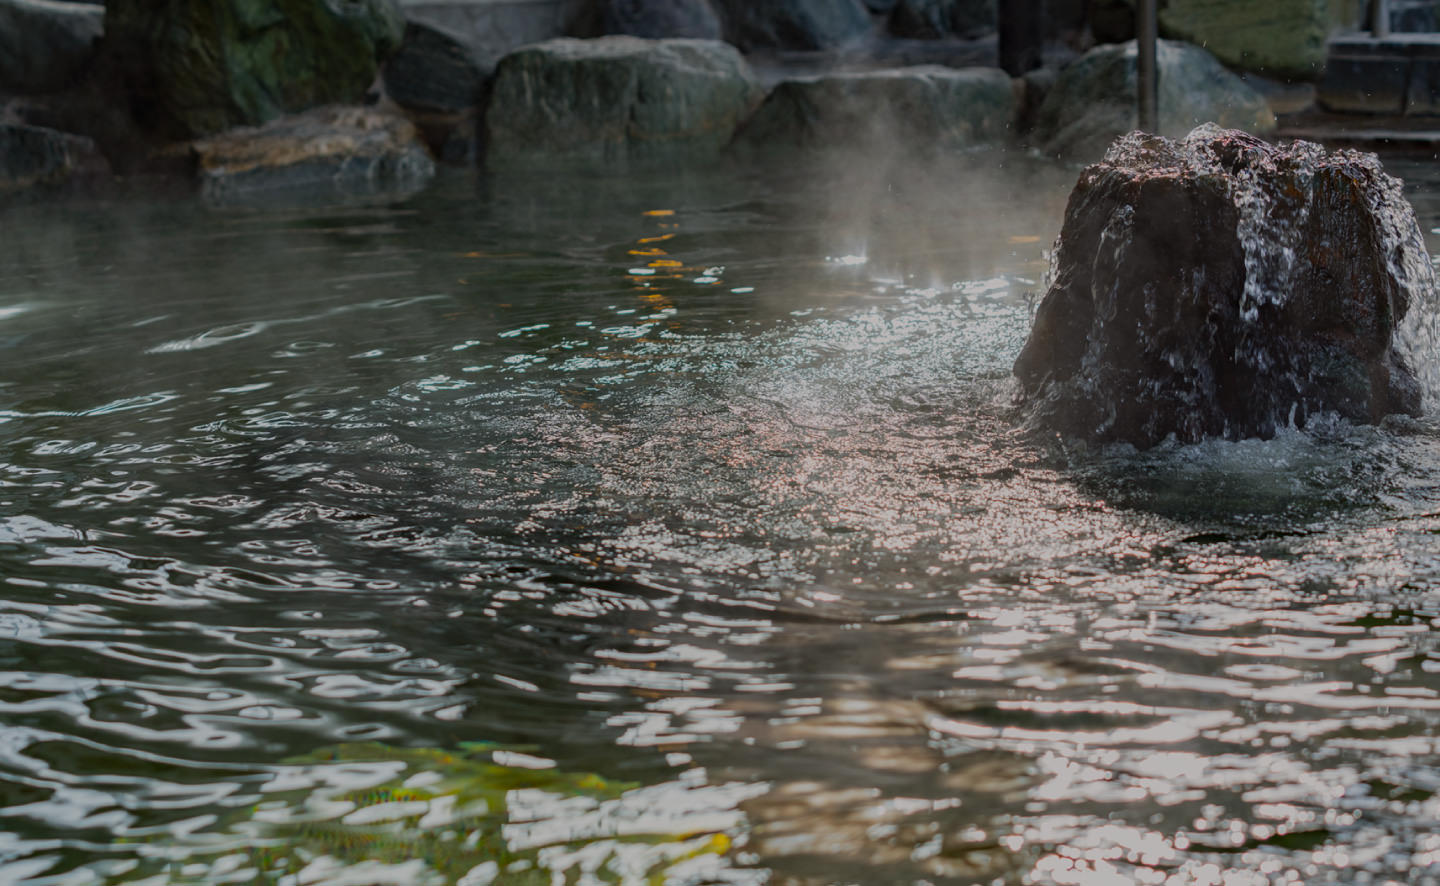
(323, 154)
(794, 24)
(34, 159)
(439, 78)
(436, 71)
(1223, 287)
(46, 46)
(654, 19)
(931, 19)
(880, 113)
(880, 7)
(1093, 101)
(616, 101)
(202, 66)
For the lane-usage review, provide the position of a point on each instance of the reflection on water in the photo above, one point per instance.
(668, 530)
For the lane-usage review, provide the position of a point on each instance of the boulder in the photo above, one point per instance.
(326, 153)
(1094, 100)
(931, 19)
(616, 101)
(794, 24)
(905, 110)
(46, 46)
(655, 19)
(1221, 286)
(439, 78)
(1278, 38)
(436, 71)
(203, 66)
(35, 159)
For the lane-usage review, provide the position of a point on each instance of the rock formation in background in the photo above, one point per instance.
(439, 78)
(877, 114)
(931, 19)
(197, 67)
(654, 19)
(616, 102)
(794, 24)
(46, 46)
(1277, 38)
(1092, 101)
(1224, 287)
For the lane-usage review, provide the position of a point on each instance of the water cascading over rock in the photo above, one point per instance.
(1220, 286)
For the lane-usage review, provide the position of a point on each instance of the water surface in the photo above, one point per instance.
(694, 509)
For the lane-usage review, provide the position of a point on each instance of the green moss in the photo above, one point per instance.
(201, 66)
(1277, 38)
(437, 817)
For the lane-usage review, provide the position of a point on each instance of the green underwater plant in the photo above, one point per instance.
(368, 813)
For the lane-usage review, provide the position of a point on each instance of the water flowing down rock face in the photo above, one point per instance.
(203, 66)
(1220, 286)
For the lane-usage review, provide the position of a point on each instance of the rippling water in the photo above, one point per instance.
(672, 528)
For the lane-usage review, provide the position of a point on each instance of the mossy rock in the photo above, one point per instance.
(197, 67)
(1278, 38)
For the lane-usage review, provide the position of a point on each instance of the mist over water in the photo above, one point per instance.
(709, 486)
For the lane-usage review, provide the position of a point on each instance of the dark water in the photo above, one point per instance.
(679, 528)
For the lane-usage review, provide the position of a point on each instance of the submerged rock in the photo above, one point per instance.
(1224, 287)
(616, 101)
(203, 66)
(1093, 101)
(35, 159)
(905, 110)
(324, 154)
(794, 24)
(46, 46)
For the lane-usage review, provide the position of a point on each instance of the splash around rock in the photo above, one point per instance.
(1220, 286)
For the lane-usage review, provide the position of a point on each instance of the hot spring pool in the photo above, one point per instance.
(675, 528)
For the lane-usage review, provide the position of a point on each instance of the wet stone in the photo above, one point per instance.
(1093, 101)
(46, 46)
(34, 159)
(795, 24)
(654, 19)
(203, 66)
(1220, 286)
(931, 19)
(326, 153)
(615, 102)
(912, 111)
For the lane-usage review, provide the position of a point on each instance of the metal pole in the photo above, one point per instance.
(1380, 18)
(1146, 38)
